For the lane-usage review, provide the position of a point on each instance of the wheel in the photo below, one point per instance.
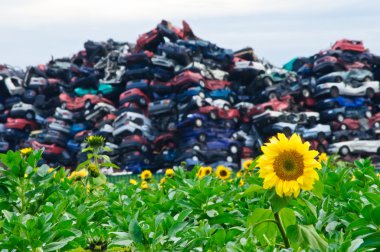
(338, 79)
(267, 82)
(370, 93)
(142, 101)
(144, 148)
(305, 93)
(87, 104)
(202, 83)
(344, 151)
(272, 95)
(377, 124)
(234, 149)
(29, 115)
(340, 117)
(213, 115)
(196, 147)
(229, 159)
(368, 114)
(28, 129)
(198, 123)
(334, 92)
(343, 127)
(231, 99)
(321, 136)
(202, 137)
(367, 78)
(287, 131)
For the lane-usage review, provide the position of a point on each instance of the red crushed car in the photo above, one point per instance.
(48, 148)
(219, 113)
(346, 124)
(374, 121)
(21, 124)
(149, 40)
(77, 103)
(186, 79)
(217, 84)
(349, 45)
(132, 107)
(163, 142)
(134, 95)
(274, 104)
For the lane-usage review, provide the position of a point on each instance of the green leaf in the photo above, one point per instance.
(183, 215)
(54, 246)
(371, 241)
(278, 202)
(306, 236)
(374, 198)
(264, 230)
(176, 228)
(318, 189)
(135, 232)
(220, 237)
(375, 214)
(288, 217)
(355, 244)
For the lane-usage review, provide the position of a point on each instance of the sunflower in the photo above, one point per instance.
(51, 169)
(146, 175)
(247, 164)
(207, 170)
(200, 173)
(239, 174)
(94, 170)
(288, 165)
(95, 141)
(82, 173)
(169, 172)
(241, 182)
(26, 151)
(223, 172)
(322, 157)
(132, 182)
(163, 180)
(144, 185)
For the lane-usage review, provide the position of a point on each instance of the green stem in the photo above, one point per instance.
(282, 230)
(263, 221)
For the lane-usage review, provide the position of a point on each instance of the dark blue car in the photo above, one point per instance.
(340, 101)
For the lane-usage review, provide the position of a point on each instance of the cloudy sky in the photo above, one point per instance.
(34, 30)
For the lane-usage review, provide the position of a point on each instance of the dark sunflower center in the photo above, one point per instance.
(288, 165)
(207, 172)
(223, 173)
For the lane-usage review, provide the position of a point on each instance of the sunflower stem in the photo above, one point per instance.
(282, 230)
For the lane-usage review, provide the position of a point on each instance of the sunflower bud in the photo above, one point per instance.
(26, 151)
(95, 141)
(93, 170)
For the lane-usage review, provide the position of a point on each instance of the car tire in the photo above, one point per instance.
(370, 93)
(343, 127)
(29, 115)
(305, 93)
(229, 159)
(234, 149)
(267, 82)
(334, 92)
(198, 123)
(196, 147)
(287, 131)
(202, 137)
(142, 101)
(213, 115)
(202, 83)
(272, 95)
(321, 136)
(144, 148)
(368, 114)
(340, 117)
(344, 151)
(87, 104)
(376, 124)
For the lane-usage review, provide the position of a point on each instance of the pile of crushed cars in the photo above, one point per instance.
(174, 97)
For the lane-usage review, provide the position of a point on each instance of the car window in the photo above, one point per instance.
(139, 121)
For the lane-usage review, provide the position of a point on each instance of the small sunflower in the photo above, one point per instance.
(82, 173)
(132, 182)
(144, 185)
(241, 182)
(223, 172)
(353, 178)
(51, 169)
(322, 157)
(288, 165)
(146, 175)
(239, 174)
(26, 151)
(94, 170)
(163, 180)
(200, 173)
(207, 170)
(169, 172)
(247, 164)
(378, 174)
(95, 141)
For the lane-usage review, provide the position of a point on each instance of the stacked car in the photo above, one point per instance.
(174, 97)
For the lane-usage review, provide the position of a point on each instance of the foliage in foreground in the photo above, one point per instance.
(44, 210)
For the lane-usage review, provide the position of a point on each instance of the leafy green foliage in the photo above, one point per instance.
(43, 210)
